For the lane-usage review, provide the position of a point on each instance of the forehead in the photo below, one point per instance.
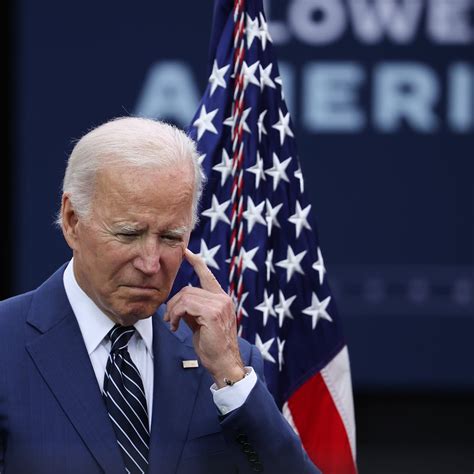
(129, 191)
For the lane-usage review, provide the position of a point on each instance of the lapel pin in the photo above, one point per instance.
(190, 364)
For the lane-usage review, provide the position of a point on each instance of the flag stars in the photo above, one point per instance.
(266, 307)
(239, 305)
(253, 214)
(265, 79)
(204, 122)
(283, 126)
(257, 170)
(264, 348)
(292, 263)
(216, 79)
(319, 266)
(224, 167)
(271, 216)
(317, 310)
(283, 308)
(299, 176)
(260, 125)
(209, 254)
(246, 259)
(269, 264)
(264, 33)
(299, 218)
(230, 121)
(281, 360)
(248, 73)
(252, 30)
(217, 212)
(278, 170)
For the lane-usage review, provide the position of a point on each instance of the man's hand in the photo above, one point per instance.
(209, 312)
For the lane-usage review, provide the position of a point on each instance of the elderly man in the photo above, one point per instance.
(97, 374)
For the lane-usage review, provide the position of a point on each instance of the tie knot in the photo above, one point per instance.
(119, 337)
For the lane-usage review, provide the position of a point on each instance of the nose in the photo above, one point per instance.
(148, 259)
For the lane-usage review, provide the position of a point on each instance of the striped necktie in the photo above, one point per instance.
(126, 403)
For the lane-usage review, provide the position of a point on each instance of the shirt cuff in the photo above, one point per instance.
(231, 397)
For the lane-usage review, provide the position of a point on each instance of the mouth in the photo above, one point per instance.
(141, 288)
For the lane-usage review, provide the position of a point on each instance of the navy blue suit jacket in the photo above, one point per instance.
(53, 418)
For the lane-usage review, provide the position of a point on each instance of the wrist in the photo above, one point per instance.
(229, 377)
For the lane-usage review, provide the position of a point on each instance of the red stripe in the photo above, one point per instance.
(320, 427)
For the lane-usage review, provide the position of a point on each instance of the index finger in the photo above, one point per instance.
(206, 278)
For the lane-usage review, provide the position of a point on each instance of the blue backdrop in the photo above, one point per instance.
(382, 97)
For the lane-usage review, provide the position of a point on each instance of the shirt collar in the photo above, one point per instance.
(93, 323)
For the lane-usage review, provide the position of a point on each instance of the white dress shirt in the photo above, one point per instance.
(95, 325)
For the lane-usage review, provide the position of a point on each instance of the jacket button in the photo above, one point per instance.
(241, 438)
(257, 467)
(252, 457)
(247, 448)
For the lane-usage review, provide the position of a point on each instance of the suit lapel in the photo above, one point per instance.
(61, 357)
(175, 391)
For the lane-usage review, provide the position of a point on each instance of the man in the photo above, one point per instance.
(97, 374)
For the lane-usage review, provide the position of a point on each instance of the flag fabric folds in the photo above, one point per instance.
(258, 236)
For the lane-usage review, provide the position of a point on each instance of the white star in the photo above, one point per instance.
(249, 73)
(283, 308)
(257, 170)
(201, 159)
(319, 266)
(253, 214)
(230, 121)
(264, 33)
(280, 83)
(239, 305)
(264, 348)
(208, 254)
(299, 177)
(252, 30)
(246, 259)
(281, 345)
(265, 79)
(216, 79)
(271, 216)
(260, 125)
(269, 264)
(283, 126)
(317, 310)
(299, 218)
(217, 212)
(266, 307)
(204, 122)
(277, 171)
(292, 263)
(224, 167)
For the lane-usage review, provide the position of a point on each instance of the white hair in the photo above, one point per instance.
(129, 141)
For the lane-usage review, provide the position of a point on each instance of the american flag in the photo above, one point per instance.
(258, 236)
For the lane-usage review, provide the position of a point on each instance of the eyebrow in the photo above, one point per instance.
(179, 231)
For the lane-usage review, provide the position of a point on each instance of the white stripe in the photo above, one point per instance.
(289, 418)
(337, 377)
(133, 426)
(133, 367)
(131, 442)
(131, 408)
(138, 386)
(127, 453)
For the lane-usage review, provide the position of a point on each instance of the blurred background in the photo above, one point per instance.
(382, 98)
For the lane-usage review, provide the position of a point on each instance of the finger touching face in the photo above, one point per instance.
(206, 278)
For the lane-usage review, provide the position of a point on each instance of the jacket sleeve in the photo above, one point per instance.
(259, 436)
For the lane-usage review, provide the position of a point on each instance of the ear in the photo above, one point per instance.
(70, 221)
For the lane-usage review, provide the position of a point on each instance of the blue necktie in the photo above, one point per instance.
(126, 403)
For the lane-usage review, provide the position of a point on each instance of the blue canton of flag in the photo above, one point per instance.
(256, 230)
